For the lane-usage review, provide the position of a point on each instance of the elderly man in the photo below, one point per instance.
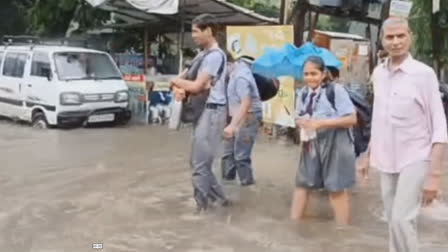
(409, 134)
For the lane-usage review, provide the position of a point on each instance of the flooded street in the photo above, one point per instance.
(130, 190)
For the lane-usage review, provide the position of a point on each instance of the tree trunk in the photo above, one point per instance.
(145, 49)
(299, 21)
(437, 43)
(283, 12)
(312, 25)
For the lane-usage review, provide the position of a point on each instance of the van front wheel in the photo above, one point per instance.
(39, 121)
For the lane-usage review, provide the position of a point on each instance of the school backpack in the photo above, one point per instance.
(267, 87)
(361, 131)
(194, 104)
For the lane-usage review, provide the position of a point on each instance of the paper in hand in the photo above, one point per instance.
(307, 134)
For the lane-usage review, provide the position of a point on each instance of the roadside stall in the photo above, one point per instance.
(355, 54)
(172, 19)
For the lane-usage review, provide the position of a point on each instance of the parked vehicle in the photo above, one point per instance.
(61, 85)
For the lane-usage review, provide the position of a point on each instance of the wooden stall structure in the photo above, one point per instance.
(354, 52)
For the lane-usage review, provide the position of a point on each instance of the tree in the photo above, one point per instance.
(265, 8)
(53, 17)
(431, 45)
(13, 13)
(332, 23)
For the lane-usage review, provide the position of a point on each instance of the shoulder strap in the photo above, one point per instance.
(220, 72)
(221, 67)
(304, 94)
(329, 92)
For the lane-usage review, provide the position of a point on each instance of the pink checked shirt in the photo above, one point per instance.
(408, 116)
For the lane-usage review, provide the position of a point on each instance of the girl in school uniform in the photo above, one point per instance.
(327, 154)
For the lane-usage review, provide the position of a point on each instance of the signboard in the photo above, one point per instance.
(131, 64)
(137, 95)
(400, 8)
(435, 6)
(252, 41)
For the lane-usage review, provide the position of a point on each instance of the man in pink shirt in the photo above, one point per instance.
(409, 134)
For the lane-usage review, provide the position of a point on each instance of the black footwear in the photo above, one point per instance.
(212, 198)
(226, 203)
(248, 183)
(228, 175)
(228, 179)
(201, 208)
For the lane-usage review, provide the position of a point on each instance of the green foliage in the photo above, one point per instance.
(53, 17)
(13, 14)
(330, 23)
(268, 11)
(421, 26)
(258, 7)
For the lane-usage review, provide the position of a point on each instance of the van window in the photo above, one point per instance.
(40, 65)
(85, 66)
(1, 59)
(14, 64)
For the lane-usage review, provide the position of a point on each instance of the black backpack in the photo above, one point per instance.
(194, 104)
(361, 132)
(267, 87)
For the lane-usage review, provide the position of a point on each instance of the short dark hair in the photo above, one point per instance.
(204, 21)
(334, 71)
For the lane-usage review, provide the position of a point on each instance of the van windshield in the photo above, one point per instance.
(85, 66)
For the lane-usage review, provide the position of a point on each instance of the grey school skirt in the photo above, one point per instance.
(328, 161)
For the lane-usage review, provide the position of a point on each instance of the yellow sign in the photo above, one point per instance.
(252, 41)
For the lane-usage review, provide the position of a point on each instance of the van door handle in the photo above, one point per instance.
(29, 85)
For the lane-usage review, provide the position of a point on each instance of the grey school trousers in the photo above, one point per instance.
(207, 138)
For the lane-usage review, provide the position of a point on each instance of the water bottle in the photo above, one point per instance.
(176, 110)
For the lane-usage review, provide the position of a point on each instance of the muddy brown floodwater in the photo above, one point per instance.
(130, 190)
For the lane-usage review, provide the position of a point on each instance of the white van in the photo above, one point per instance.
(61, 85)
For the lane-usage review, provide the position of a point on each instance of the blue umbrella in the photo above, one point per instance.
(309, 49)
(277, 62)
(289, 60)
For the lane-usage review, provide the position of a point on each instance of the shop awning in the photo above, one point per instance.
(140, 14)
(152, 6)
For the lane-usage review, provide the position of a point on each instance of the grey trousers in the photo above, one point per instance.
(238, 151)
(402, 196)
(207, 138)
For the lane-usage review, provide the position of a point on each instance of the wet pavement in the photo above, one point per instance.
(130, 190)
